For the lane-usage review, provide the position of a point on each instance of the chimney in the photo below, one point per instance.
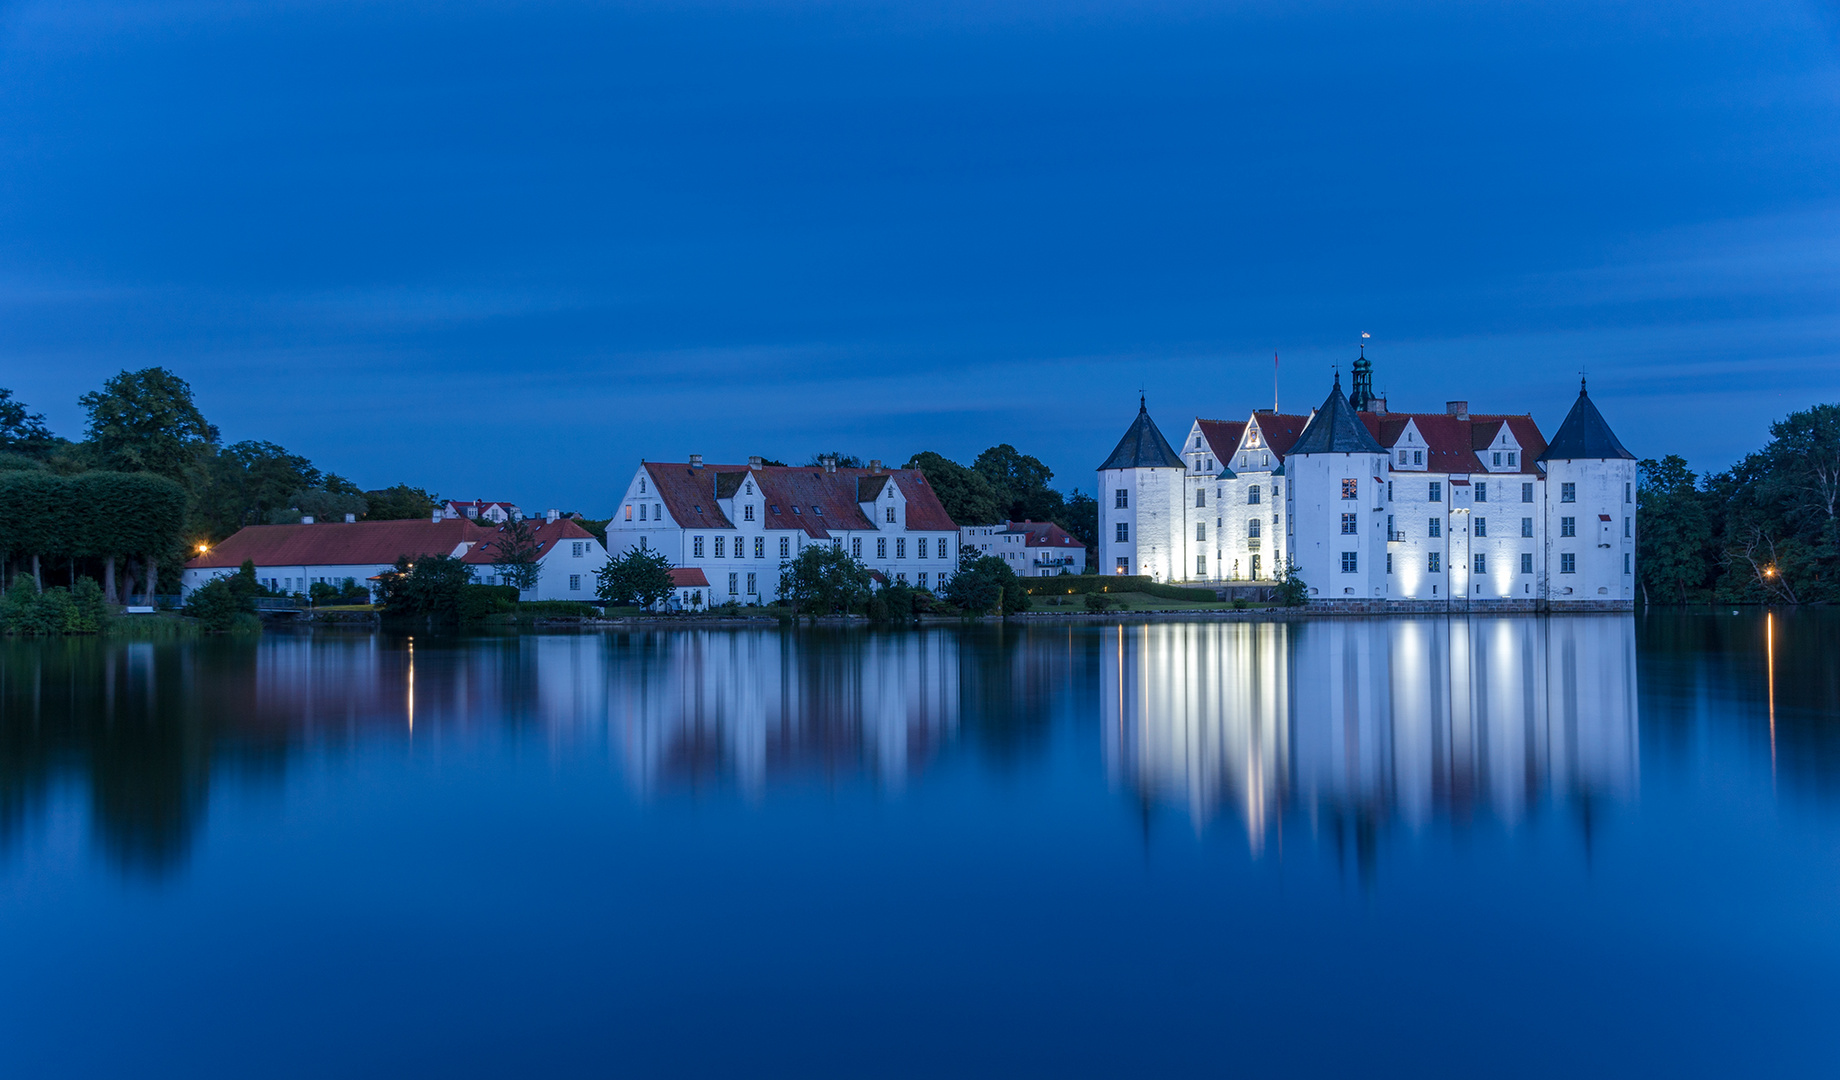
(351, 519)
(551, 515)
(829, 463)
(755, 461)
(1379, 407)
(875, 464)
(437, 515)
(1458, 409)
(696, 461)
(306, 519)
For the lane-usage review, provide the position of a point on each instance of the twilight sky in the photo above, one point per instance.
(506, 250)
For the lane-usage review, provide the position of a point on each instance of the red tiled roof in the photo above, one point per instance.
(1222, 437)
(1043, 534)
(1280, 430)
(690, 494)
(1451, 443)
(547, 533)
(340, 543)
(825, 500)
(685, 577)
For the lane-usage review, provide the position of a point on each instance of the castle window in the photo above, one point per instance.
(1350, 525)
(719, 541)
(1418, 457)
(1526, 526)
(1437, 491)
(785, 547)
(900, 547)
(855, 547)
(1527, 493)
(1351, 488)
(1252, 495)
(1200, 530)
(1497, 460)
(1351, 562)
(1123, 533)
(760, 547)
(1252, 529)
(1526, 562)
(1626, 528)
(1513, 459)
(696, 547)
(1481, 563)
(1626, 562)
(1482, 526)
(889, 515)
(881, 547)
(1402, 457)
(747, 512)
(1201, 566)
(1435, 527)
(1568, 526)
(1200, 496)
(1568, 492)
(1121, 499)
(941, 548)
(1434, 562)
(1568, 563)
(1482, 491)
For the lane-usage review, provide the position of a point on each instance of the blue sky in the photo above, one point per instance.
(507, 250)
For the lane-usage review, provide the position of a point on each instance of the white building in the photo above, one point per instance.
(1031, 548)
(1372, 505)
(738, 523)
(569, 559)
(481, 510)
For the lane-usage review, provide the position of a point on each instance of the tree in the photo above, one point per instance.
(399, 503)
(429, 586)
(514, 549)
(245, 483)
(824, 579)
(319, 504)
(146, 421)
(967, 497)
(844, 461)
(1675, 529)
(641, 577)
(1292, 591)
(985, 584)
(220, 606)
(22, 432)
(1020, 483)
(1080, 517)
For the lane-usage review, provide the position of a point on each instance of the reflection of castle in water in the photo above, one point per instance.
(749, 705)
(1406, 718)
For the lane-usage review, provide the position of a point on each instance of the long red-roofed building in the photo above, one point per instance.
(738, 523)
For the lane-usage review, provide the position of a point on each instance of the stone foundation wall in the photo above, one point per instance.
(1447, 607)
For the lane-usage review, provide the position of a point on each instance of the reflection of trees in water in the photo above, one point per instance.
(1712, 664)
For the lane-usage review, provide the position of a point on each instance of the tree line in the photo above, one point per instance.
(1763, 531)
(71, 508)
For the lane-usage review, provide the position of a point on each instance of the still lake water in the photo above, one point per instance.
(1498, 846)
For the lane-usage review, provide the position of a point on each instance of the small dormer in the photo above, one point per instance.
(1501, 451)
(881, 501)
(1408, 450)
(1253, 453)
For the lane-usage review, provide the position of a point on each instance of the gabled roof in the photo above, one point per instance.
(1222, 436)
(688, 577)
(689, 493)
(1143, 446)
(360, 543)
(1280, 430)
(1451, 444)
(547, 534)
(1337, 429)
(1043, 534)
(825, 500)
(1585, 435)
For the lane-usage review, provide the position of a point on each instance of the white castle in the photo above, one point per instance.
(1380, 509)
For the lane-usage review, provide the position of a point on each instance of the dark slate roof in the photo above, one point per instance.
(1336, 429)
(1584, 435)
(1143, 447)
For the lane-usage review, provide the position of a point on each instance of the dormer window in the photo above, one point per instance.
(776, 508)
(795, 509)
(642, 487)
(749, 486)
(818, 510)
(1512, 463)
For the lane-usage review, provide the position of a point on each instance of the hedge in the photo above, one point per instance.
(1073, 584)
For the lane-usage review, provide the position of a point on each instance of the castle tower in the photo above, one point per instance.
(1140, 503)
(1335, 505)
(1363, 397)
(1590, 512)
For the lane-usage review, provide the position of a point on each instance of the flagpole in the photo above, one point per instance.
(1274, 381)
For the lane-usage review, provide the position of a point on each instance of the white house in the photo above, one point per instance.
(739, 523)
(1372, 505)
(568, 560)
(1031, 548)
(292, 558)
(481, 510)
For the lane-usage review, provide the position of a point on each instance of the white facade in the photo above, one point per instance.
(1447, 507)
(738, 524)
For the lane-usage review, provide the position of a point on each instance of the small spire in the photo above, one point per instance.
(1338, 376)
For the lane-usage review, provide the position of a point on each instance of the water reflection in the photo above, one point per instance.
(1372, 720)
(1346, 726)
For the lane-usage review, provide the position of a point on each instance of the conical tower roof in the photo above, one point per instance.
(1335, 429)
(1584, 435)
(1143, 446)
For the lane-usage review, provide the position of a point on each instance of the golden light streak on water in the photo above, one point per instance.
(1769, 651)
